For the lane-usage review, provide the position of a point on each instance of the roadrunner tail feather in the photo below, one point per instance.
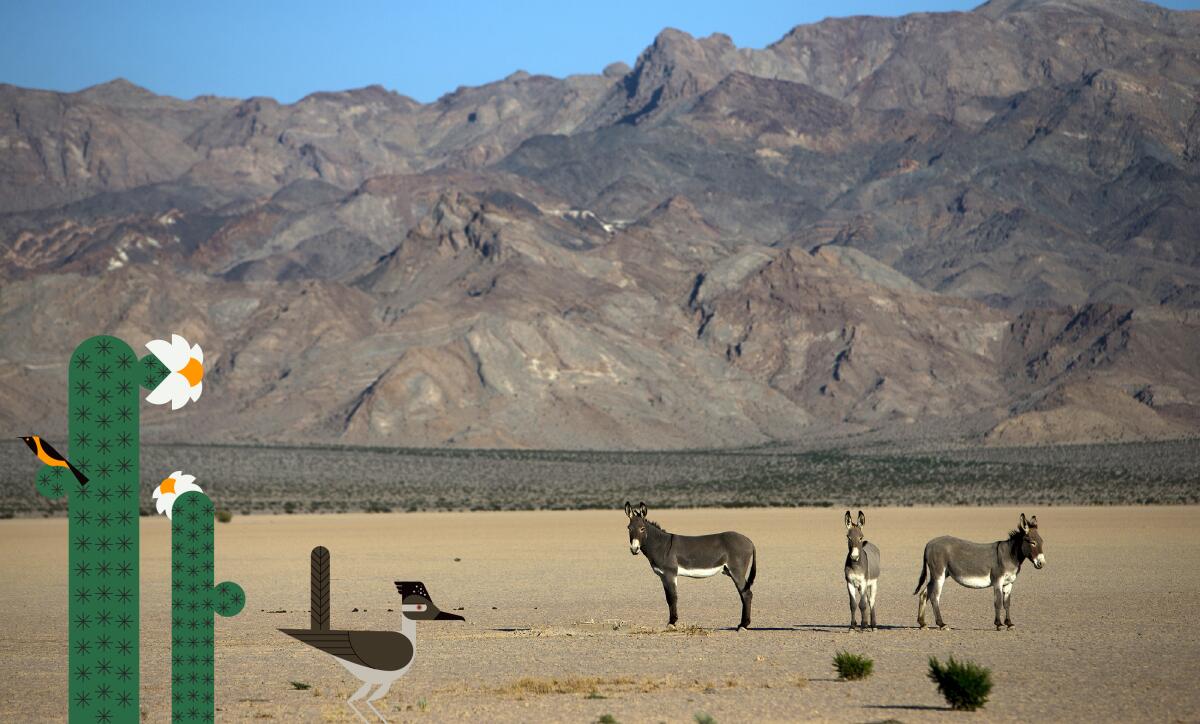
(319, 585)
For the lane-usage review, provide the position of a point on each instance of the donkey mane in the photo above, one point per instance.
(1015, 534)
(656, 525)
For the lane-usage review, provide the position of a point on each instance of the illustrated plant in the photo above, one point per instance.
(964, 684)
(194, 601)
(852, 667)
(103, 382)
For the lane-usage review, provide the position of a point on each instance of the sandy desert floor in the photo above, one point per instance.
(1103, 631)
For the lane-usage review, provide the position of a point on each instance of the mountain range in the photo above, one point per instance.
(980, 225)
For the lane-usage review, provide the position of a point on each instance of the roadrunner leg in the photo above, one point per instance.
(356, 696)
(381, 691)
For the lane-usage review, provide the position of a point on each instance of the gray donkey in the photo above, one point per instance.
(862, 570)
(978, 565)
(694, 556)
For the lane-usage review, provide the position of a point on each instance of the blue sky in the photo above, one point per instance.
(289, 49)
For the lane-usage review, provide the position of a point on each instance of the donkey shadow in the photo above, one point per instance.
(843, 628)
(909, 707)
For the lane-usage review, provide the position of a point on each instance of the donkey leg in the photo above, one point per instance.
(999, 591)
(1007, 603)
(668, 581)
(872, 590)
(935, 598)
(853, 602)
(922, 597)
(863, 605)
(747, 597)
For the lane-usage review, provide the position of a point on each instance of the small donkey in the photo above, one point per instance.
(978, 565)
(695, 556)
(862, 570)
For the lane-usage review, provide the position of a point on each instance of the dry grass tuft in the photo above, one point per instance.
(688, 630)
(534, 686)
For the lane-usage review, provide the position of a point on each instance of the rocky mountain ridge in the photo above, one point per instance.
(872, 223)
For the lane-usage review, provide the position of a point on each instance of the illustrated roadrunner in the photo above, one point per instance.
(376, 658)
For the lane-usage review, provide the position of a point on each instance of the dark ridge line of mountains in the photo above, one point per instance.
(943, 226)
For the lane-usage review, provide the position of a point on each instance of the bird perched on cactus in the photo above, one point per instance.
(104, 376)
(48, 455)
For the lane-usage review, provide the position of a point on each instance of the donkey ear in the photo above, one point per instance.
(1024, 523)
(862, 519)
(848, 519)
(628, 510)
(642, 510)
(1033, 522)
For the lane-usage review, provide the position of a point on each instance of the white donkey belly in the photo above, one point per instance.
(975, 581)
(700, 572)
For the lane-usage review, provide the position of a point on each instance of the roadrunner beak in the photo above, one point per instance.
(445, 616)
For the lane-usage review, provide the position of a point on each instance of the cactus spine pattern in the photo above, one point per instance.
(194, 600)
(104, 380)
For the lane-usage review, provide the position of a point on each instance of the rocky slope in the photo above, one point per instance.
(980, 221)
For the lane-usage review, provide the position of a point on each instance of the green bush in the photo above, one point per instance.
(852, 667)
(224, 515)
(704, 718)
(964, 684)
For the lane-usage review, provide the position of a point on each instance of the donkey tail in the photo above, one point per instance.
(924, 573)
(753, 570)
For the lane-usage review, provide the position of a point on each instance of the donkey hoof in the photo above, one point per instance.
(670, 627)
(743, 627)
(921, 625)
(1009, 624)
(999, 627)
(942, 627)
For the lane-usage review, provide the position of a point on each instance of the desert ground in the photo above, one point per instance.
(564, 625)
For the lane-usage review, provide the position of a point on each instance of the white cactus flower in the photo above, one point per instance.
(172, 487)
(187, 370)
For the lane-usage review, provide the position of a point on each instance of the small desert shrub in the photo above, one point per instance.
(224, 515)
(964, 684)
(607, 719)
(300, 685)
(704, 718)
(852, 667)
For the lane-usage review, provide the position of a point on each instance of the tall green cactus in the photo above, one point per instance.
(194, 600)
(103, 389)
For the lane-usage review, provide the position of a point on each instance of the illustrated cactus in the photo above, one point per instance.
(194, 600)
(103, 381)
(102, 581)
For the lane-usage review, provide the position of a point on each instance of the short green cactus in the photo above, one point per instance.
(194, 600)
(103, 442)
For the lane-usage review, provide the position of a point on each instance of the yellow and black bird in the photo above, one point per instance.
(47, 454)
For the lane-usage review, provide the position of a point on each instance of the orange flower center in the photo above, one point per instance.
(193, 371)
(167, 485)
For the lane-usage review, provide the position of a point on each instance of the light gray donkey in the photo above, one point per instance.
(978, 565)
(862, 570)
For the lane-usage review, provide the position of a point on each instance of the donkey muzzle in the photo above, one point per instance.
(634, 546)
(1039, 561)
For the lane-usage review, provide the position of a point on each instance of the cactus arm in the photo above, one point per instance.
(194, 601)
